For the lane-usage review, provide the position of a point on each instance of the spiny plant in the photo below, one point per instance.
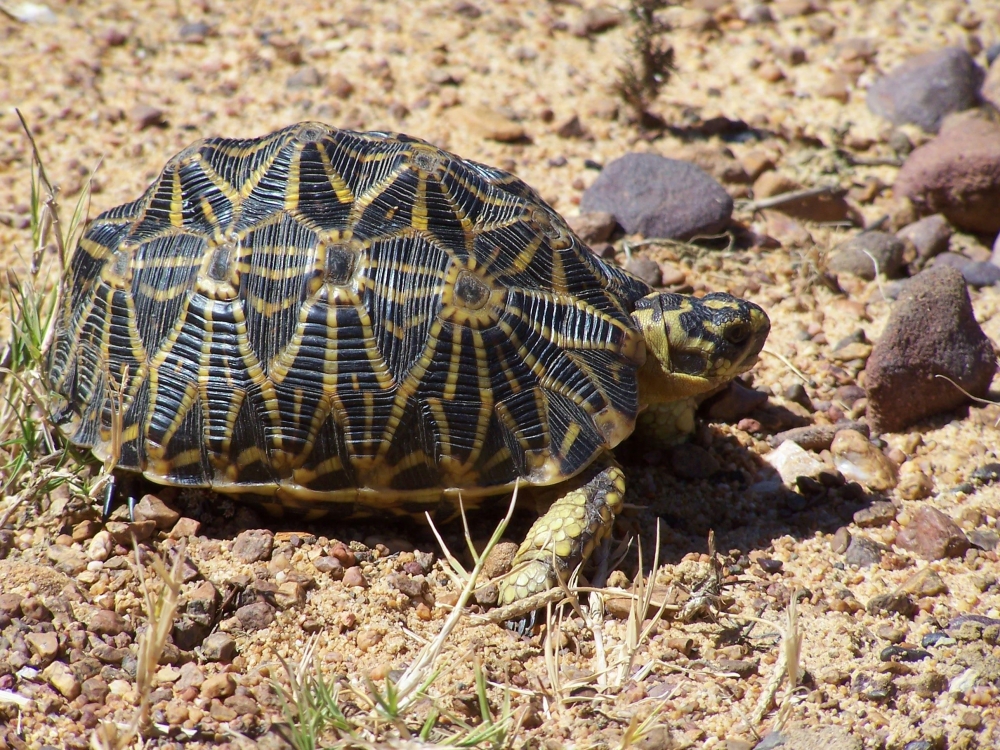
(649, 62)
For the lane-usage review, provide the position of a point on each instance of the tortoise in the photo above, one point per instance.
(363, 322)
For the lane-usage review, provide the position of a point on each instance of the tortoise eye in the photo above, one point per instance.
(737, 334)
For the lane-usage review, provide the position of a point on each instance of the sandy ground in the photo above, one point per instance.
(85, 79)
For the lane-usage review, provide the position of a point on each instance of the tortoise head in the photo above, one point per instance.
(697, 344)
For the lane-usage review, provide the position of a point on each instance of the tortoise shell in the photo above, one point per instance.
(325, 315)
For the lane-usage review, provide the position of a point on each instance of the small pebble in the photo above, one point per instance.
(862, 552)
(879, 513)
(860, 461)
(902, 653)
(219, 647)
(932, 535)
(256, 616)
(354, 578)
(107, 622)
(218, 686)
(253, 545)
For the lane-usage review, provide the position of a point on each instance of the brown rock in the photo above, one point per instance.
(572, 128)
(659, 197)
(893, 603)
(957, 174)
(991, 85)
(486, 123)
(66, 559)
(151, 508)
(861, 254)
(932, 535)
(106, 622)
(931, 331)
(219, 647)
(841, 540)
(925, 583)
(770, 72)
(339, 86)
(929, 236)
(304, 78)
(253, 545)
(34, 610)
(123, 532)
(860, 461)
(756, 163)
(879, 513)
(862, 552)
(95, 690)
(218, 686)
(836, 86)
(43, 645)
(10, 605)
(61, 677)
(354, 578)
(256, 616)
(185, 527)
(645, 268)
(769, 184)
(914, 484)
(785, 229)
(595, 20)
(145, 116)
(925, 88)
(592, 227)
(499, 560)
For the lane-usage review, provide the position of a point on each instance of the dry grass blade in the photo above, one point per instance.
(161, 609)
(789, 663)
(422, 671)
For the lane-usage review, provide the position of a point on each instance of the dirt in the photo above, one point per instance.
(113, 89)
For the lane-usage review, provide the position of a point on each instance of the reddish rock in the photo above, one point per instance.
(924, 89)
(931, 331)
(932, 535)
(957, 174)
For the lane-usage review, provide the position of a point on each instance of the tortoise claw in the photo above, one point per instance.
(112, 498)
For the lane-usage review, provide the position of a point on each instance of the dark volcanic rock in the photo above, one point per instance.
(931, 331)
(924, 89)
(957, 174)
(658, 197)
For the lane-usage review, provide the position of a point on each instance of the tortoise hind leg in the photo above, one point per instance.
(567, 534)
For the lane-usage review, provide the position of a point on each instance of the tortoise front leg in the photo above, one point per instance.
(567, 534)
